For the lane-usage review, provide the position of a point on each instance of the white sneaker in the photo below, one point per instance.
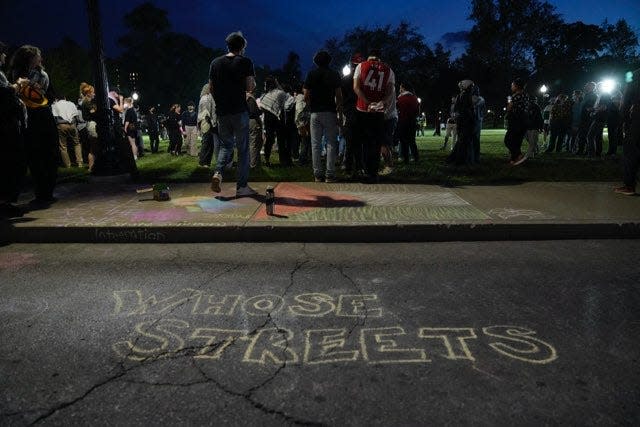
(245, 191)
(216, 180)
(520, 160)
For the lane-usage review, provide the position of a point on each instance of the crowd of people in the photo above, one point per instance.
(358, 121)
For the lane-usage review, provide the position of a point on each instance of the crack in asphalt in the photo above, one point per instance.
(188, 300)
(184, 352)
(247, 395)
(121, 364)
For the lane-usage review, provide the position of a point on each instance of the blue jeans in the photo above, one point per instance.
(234, 130)
(326, 124)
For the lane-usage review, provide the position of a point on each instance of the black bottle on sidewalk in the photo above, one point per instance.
(270, 201)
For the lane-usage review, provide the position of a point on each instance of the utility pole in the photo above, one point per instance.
(110, 156)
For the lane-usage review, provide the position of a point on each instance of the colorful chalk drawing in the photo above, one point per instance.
(299, 203)
(511, 213)
(207, 204)
(202, 337)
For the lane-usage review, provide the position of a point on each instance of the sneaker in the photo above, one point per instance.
(245, 191)
(521, 159)
(625, 190)
(216, 180)
(318, 179)
(386, 171)
(331, 179)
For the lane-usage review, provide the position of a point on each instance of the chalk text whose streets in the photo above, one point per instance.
(379, 345)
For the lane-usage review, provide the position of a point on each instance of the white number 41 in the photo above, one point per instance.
(373, 83)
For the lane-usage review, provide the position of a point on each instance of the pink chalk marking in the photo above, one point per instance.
(14, 261)
(160, 215)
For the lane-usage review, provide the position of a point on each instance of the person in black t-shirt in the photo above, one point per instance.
(324, 97)
(230, 77)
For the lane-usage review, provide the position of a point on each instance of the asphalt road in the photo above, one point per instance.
(504, 333)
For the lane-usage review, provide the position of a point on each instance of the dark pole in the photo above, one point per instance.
(109, 153)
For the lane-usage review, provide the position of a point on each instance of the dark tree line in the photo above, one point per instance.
(509, 38)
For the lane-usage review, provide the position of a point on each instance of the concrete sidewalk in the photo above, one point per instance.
(342, 212)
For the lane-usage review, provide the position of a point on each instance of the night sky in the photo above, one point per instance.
(274, 27)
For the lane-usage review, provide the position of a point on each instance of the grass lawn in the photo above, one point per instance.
(431, 169)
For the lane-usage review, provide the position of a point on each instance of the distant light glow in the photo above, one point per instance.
(419, 100)
(135, 96)
(607, 85)
(346, 70)
(628, 77)
(544, 89)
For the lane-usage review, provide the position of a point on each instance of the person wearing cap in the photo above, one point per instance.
(353, 154)
(374, 84)
(190, 128)
(230, 78)
(41, 134)
(323, 95)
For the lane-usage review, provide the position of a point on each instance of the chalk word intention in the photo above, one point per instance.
(143, 235)
(381, 345)
(195, 302)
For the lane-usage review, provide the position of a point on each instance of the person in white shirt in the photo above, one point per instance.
(66, 115)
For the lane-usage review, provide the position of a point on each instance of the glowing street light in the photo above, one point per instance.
(607, 85)
(543, 89)
(346, 70)
(135, 96)
(419, 100)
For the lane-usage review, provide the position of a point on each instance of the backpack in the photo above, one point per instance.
(535, 119)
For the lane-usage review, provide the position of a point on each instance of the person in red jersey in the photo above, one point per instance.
(374, 85)
(408, 112)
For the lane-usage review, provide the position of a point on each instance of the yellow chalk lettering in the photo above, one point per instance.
(530, 349)
(133, 303)
(312, 305)
(321, 344)
(224, 307)
(270, 343)
(262, 304)
(155, 339)
(356, 306)
(217, 341)
(459, 350)
(378, 348)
